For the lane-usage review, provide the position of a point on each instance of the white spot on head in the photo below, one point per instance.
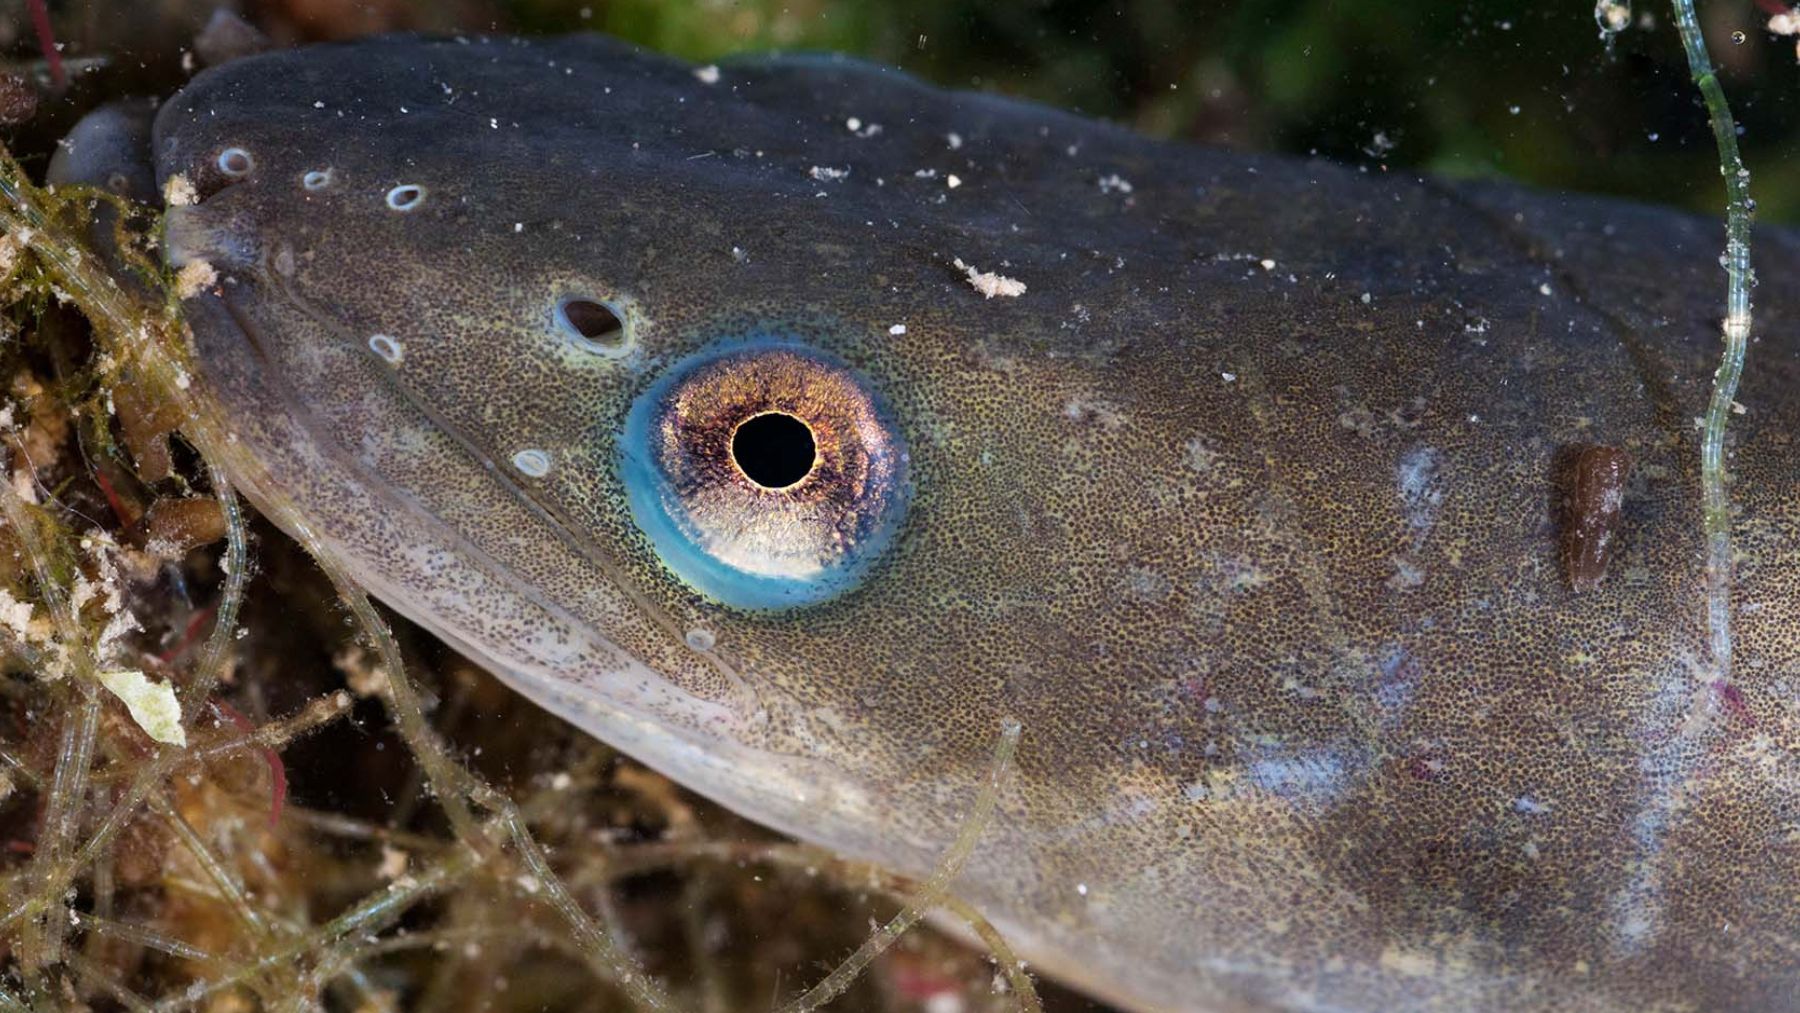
(1320, 776)
(405, 197)
(318, 179)
(897, 330)
(532, 463)
(1407, 574)
(1417, 478)
(235, 162)
(701, 639)
(389, 348)
(1530, 806)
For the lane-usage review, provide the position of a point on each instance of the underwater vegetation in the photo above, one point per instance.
(226, 785)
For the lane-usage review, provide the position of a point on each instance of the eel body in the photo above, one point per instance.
(1335, 537)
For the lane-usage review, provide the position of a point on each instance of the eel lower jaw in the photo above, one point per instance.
(709, 747)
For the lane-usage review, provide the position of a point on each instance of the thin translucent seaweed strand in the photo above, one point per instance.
(934, 889)
(167, 762)
(641, 858)
(370, 916)
(236, 564)
(51, 870)
(1716, 500)
(210, 865)
(149, 938)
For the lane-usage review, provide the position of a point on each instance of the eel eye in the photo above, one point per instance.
(767, 475)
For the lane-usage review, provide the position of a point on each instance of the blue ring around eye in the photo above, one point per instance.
(656, 507)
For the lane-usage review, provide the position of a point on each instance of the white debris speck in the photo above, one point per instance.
(1081, 888)
(853, 124)
(1612, 15)
(953, 181)
(1366, 298)
(518, 226)
(152, 704)
(393, 862)
(194, 277)
(897, 330)
(708, 74)
(1267, 264)
(15, 615)
(1114, 183)
(1785, 24)
(1228, 377)
(179, 191)
(1544, 289)
(990, 284)
(827, 174)
(954, 140)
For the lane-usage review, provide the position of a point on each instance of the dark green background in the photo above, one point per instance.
(1524, 90)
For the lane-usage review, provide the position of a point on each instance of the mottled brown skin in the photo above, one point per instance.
(1246, 508)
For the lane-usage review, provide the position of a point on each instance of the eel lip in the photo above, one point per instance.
(190, 234)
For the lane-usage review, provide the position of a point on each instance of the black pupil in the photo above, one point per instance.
(593, 321)
(774, 449)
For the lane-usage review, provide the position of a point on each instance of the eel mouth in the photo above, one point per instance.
(193, 234)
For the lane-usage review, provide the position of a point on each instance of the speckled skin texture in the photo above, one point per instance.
(1246, 508)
